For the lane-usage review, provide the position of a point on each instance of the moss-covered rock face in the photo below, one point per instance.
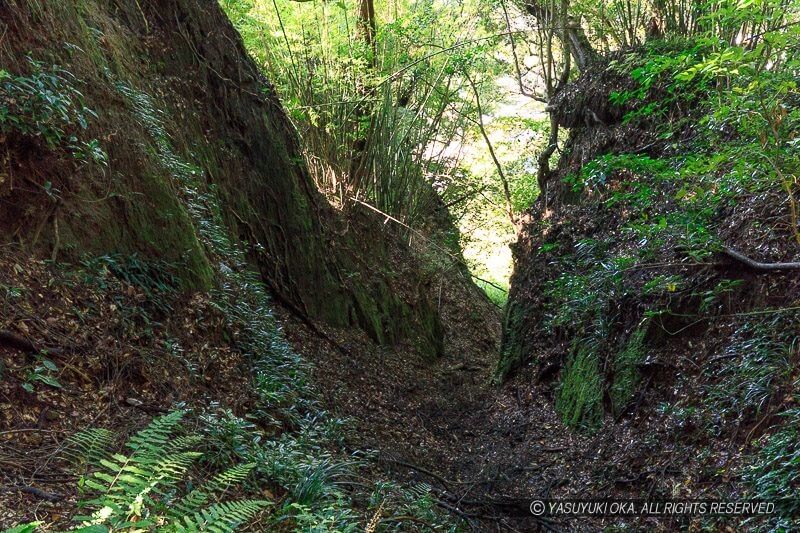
(170, 96)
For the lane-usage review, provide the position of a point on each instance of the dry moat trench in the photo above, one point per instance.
(487, 450)
(408, 356)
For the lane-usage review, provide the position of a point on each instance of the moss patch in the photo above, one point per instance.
(626, 370)
(580, 396)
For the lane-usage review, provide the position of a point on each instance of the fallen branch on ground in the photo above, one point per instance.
(39, 493)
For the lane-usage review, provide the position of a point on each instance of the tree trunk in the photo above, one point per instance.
(573, 37)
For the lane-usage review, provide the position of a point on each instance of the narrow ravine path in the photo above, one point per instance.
(487, 451)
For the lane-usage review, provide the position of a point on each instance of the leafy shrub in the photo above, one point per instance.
(47, 106)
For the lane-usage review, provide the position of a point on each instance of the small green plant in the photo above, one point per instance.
(755, 363)
(713, 296)
(141, 491)
(774, 475)
(572, 301)
(44, 371)
(46, 105)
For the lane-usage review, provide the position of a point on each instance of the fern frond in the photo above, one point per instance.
(136, 491)
(223, 517)
(183, 443)
(192, 502)
(89, 446)
(155, 437)
(136, 478)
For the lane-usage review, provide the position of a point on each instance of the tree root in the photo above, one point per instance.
(18, 342)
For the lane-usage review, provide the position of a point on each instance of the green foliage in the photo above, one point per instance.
(46, 106)
(402, 501)
(496, 294)
(89, 446)
(368, 115)
(42, 371)
(739, 101)
(715, 296)
(24, 528)
(395, 124)
(138, 491)
(572, 301)
(579, 299)
(753, 366)
(154, 277)
(581, 390)
(300, 460)
(774, 474)
(747, 119)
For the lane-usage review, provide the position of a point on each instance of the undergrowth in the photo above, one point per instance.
(143, 490)
(749, 373)
(774, 474)
(626, 370)
(725, 126)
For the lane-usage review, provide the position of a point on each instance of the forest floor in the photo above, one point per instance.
(487, 452)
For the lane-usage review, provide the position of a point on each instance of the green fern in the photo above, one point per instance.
(193, 502)
(136, 491)
(89, 446)
(155, 437)
(223, 516)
